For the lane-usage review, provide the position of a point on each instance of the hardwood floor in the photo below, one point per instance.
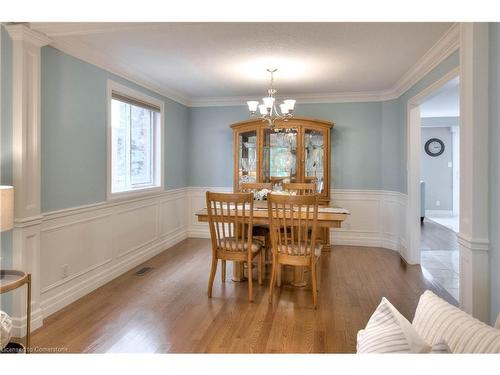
(167, 309)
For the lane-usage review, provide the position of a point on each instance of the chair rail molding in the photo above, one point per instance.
(26, 166)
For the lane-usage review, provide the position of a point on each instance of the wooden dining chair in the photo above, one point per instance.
(293, 225)
(230, 218)
(301, 188)
(309, 189)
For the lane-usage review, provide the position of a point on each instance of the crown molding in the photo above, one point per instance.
(21, 32)
(444, 47)
(336, 97)
(64, 29)
(82, 51)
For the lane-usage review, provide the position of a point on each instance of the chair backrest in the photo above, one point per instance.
(230, 217)
(301, 188)
(250, 187)
(293, 223)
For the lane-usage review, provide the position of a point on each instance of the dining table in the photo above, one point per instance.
(328, 217)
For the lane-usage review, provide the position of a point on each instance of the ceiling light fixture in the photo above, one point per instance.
(268, 111)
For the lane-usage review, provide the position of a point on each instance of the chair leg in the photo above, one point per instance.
(273, 280)
(314, 284)
(318, 275)
(213, 270)
(223, 273)
(261, 261)
(318, 267)
(250, 279)
(278, 282)
(268, 256)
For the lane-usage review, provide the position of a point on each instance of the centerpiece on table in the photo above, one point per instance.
(261, 195)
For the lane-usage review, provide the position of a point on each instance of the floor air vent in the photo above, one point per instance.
(143, 271)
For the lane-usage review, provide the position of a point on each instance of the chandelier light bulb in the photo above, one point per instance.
(290, 103)
(252, 105)
(284, 108)
(263, 109)
(268, 102)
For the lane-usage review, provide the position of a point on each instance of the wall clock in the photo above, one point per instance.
(434, 147)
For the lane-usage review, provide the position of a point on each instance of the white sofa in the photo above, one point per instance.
(437, 327)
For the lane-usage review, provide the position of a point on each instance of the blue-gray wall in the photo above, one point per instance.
(494, 169)
(439, 121)
(73, 112)
(5, 147)
(211, 145)
(391, 147)
(357, 140)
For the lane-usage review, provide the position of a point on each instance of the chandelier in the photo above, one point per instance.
(268, 111)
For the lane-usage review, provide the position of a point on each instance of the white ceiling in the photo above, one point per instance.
(213, 60)
(443, 103)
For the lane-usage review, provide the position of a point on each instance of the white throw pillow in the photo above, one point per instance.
(436, 320)
(5, 329)
(440, 347)
(388, 331)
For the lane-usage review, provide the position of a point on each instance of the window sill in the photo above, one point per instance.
(136, 193)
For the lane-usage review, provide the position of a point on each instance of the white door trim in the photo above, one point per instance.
(474, 205)
(473, 237)
(413, 164)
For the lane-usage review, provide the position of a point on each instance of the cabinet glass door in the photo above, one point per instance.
(314, 158)
(279, 158)
(247, 169)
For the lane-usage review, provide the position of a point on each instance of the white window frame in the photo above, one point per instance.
(159, 144)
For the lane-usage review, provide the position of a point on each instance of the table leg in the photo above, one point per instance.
(326, 240)
(299, 278)
(238, 272)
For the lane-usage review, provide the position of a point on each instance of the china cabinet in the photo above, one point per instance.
(296, 150)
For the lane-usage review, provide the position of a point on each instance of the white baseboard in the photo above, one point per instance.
(19, 324)
(438, 213)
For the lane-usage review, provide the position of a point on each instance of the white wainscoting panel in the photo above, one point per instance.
(196, 197)
(85, 247)
(135, 227)
(377, 217)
